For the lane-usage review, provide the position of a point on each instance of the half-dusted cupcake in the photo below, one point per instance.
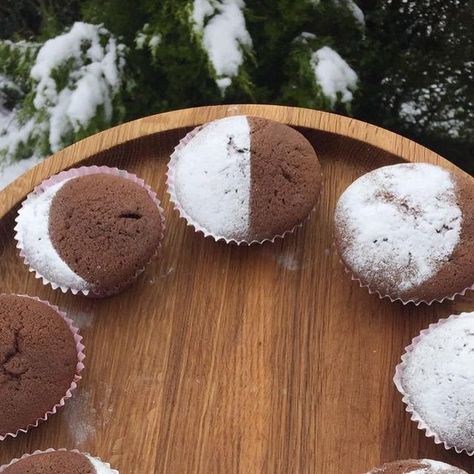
(57, 462)
(244, 179)
(41, 358)
(407, 232)
(416, 466)
(91, 229)
(436, 379)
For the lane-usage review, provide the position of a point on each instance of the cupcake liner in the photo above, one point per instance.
(397, 379)
(79, 367)
(74, 173)
(373, 291)
(170, 182)
(50, 450)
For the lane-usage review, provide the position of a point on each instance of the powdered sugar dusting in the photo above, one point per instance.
(438, 467)
(212, 177)
(438, 380)
(429, 467)
(33, 233)
(100, 467)
(399, 224)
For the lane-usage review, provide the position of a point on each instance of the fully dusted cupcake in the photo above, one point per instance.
(57, 462)
(40, 361)
(416, 466)
(436, 379)
(244, 179)
(91, 229)
(407, 232)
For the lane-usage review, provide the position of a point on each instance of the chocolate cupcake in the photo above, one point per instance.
(40, 361)
(244, 179)
(91, 229)
(436, 379)
(407, 232)
(416, 466)
(57, 462)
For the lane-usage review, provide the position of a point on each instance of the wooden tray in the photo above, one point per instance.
(223, 359)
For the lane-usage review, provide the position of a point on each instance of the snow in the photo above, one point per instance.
(94, 79)
(437, 377)
(418, 111)
(13, 169)
(33, 236)
(93, 63)
(146, 38)
(224, 32)
(354, 9)
(210, 173)
(333, 74)
(399, 224)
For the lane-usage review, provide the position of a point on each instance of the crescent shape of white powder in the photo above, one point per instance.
(33, 236)
(437, 377)
(211, 174)
(101, 467)
(399, 223)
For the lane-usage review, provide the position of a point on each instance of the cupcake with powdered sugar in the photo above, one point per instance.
(406, 232)
(436, 379)
(416, 466)
(57, 462)
(244, 179)
(91, 229)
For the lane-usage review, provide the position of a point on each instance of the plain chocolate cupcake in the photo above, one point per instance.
(436, 379)
(40, 360)
(57, 462)
(91, 229)
(244, 179)
(407, 232)
(416, 466)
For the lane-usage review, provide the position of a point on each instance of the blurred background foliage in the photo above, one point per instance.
(404, 65)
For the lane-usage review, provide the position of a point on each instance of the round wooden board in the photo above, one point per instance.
(226, 359)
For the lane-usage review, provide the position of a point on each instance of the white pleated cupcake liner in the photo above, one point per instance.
(397, 379)
(74, 173)
(170, 183)
(77, 376)
(50, 450)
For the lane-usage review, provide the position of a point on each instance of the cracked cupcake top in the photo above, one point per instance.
(403, 230)
(38, 359)
(244, 178)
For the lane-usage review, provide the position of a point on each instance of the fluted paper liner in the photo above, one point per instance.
(373, 291)
(50, 450)
(397, 379)
(170, 182)
(77, 376)
(74, 173)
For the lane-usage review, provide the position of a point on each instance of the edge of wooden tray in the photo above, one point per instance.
(143, 127)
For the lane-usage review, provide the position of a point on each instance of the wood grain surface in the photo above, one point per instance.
(225, 359)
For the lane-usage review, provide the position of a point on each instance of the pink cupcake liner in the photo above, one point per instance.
(79, 367)
(397, 379)
(373, 291)
(50, 450)
(170, 182)
(74, 173)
